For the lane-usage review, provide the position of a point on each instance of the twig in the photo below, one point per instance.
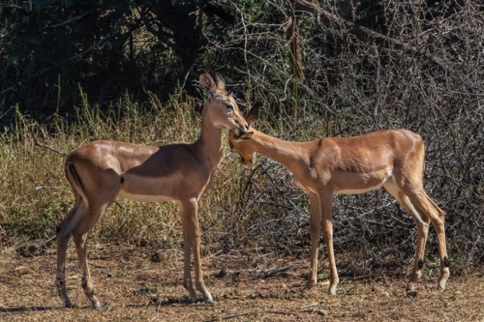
(71, 20)
(48, 146)
(32, 249)
(273, 272)
(233, 316)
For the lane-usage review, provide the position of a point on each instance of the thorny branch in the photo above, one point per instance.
(422, 72)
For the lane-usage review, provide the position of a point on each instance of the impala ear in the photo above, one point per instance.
(207, 84)
(219, 81)
(253, 114)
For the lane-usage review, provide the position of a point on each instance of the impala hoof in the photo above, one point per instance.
(441, 285)
(411, 293)
(410, 290)
(96, 304)
(332, 290)
(209, 299)
(309, 286)
(68, 304)
(443, 278)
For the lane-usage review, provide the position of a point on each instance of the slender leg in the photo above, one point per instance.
(438, 222)
(191, 233)
(326, 206)
(437, 216)
(314, 226)
(62, 243)
(63, 235)
(187, 276)
(422, 223)
(81, 243)
(199, 282)
(81, 234)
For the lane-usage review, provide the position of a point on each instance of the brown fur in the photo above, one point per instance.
(101, 171)
(392, 159)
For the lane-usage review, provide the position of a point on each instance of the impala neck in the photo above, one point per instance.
(285, 152)
(210, 139)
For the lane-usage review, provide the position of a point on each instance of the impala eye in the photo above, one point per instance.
(229, 106)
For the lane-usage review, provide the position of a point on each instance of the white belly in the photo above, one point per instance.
(358, 191)
(365, 188)
(144, 198)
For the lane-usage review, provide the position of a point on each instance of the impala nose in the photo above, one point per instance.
(243, 128)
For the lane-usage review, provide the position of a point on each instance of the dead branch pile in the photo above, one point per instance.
(331, 71)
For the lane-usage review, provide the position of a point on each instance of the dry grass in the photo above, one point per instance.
(36, 194)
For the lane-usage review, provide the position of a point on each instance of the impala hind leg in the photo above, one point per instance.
(80, 235)
(436, 215)
(191, 237)
(63, 235)
(422, 223)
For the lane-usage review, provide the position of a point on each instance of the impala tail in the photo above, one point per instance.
(74, 178)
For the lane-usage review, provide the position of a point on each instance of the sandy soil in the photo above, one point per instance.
(133, 287)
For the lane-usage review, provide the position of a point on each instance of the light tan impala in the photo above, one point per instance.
(101, 171)
(392, 159)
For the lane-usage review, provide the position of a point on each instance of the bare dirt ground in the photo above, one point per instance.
(133, 287)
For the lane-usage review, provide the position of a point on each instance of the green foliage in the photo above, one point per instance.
(49, 48)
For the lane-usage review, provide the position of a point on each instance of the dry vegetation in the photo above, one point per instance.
(327, 70)
(318, 71)
(255, 248)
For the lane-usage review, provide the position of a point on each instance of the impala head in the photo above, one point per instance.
(241, 142)
(221, 106)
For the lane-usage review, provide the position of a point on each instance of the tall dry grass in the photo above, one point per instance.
(257, 209)
(37, 195)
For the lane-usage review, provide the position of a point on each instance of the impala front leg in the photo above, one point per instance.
(191, 234)
(187, 246)
(315, 231)
(199, 283)
(327, 230)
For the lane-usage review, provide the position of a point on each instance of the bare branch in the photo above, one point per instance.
(48, 147)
